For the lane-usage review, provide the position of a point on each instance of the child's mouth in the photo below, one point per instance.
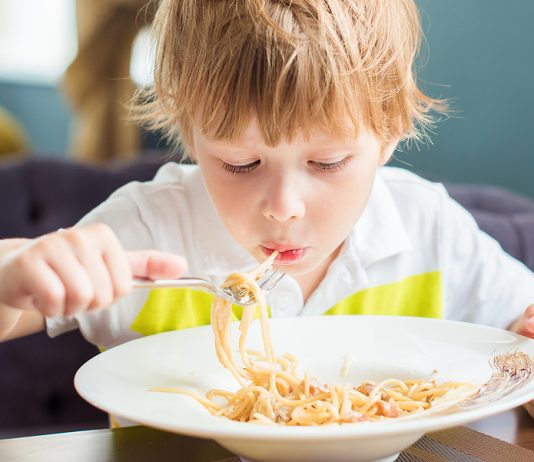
(286, 256)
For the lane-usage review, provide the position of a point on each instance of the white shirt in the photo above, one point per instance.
(410, 236)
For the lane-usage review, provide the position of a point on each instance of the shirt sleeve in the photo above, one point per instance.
(482, 283)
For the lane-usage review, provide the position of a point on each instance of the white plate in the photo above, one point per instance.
(118, 381)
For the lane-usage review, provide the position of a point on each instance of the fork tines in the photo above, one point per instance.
(270, 278)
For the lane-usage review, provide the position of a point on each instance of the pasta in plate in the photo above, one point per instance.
(272, 392)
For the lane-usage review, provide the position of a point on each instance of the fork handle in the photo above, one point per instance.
(140, 283)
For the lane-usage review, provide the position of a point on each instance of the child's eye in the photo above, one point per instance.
(236, 169)
(330, 166)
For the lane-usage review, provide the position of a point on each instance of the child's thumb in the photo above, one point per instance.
(152, 264)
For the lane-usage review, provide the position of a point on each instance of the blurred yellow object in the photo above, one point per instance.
(13, 139)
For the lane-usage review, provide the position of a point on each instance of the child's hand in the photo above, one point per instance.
(525, 326)
(77, 269)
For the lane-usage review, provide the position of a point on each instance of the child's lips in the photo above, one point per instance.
(287, 255)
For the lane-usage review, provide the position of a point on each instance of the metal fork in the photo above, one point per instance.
(266, 282)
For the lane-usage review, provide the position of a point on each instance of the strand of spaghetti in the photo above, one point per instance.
(221, 315)
(209, 404)
(411, 405)
(260, 373)
(246, 320)
(261, 304)
(239, 279)
(265, 265)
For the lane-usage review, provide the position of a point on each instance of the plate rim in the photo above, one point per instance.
(246, 431)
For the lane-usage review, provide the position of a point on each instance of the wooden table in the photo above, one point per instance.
(141, 444)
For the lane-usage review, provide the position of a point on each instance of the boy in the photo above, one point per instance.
(290, 109)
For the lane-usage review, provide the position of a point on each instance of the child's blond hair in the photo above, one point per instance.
(294, 65)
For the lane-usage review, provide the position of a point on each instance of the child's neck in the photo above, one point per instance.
(308, 282)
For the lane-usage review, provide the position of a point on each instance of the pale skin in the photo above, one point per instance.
(304, 195)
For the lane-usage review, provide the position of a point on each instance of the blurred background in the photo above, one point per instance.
(66, 72)
(67, 68)
(478, 53)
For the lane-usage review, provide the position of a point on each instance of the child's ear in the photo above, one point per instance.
(387, 151)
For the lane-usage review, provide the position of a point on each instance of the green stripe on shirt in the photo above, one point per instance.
(174, 309)
(419, 295)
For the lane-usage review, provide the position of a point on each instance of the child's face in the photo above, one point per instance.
(301, 198)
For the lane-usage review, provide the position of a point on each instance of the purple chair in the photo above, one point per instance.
(506, 216)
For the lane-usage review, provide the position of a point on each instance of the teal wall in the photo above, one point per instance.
(43, 112)
(479, 53)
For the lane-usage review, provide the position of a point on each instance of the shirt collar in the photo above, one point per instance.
(380, 232)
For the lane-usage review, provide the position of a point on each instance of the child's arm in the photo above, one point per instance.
(69, 272)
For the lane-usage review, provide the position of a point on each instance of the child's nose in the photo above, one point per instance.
(283, 202)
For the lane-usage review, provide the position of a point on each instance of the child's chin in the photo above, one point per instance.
(299, 268)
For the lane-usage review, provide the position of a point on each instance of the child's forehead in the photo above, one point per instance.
(252, 135)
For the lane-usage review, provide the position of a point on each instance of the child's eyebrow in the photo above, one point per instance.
(332, 145)
(233, 147)
(219, 143)
(336, 145)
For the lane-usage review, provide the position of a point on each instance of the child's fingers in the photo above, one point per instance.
(98, 274)
(32, 289)
(21, 277)
(41, 276)
(81, 266)
(43, 290)
(79, 269)
(104, 260)
(524, 325)
(530, 408)
(116, 260)
(152, 264)
(78, 265)
(78, 284)
(529, 321)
